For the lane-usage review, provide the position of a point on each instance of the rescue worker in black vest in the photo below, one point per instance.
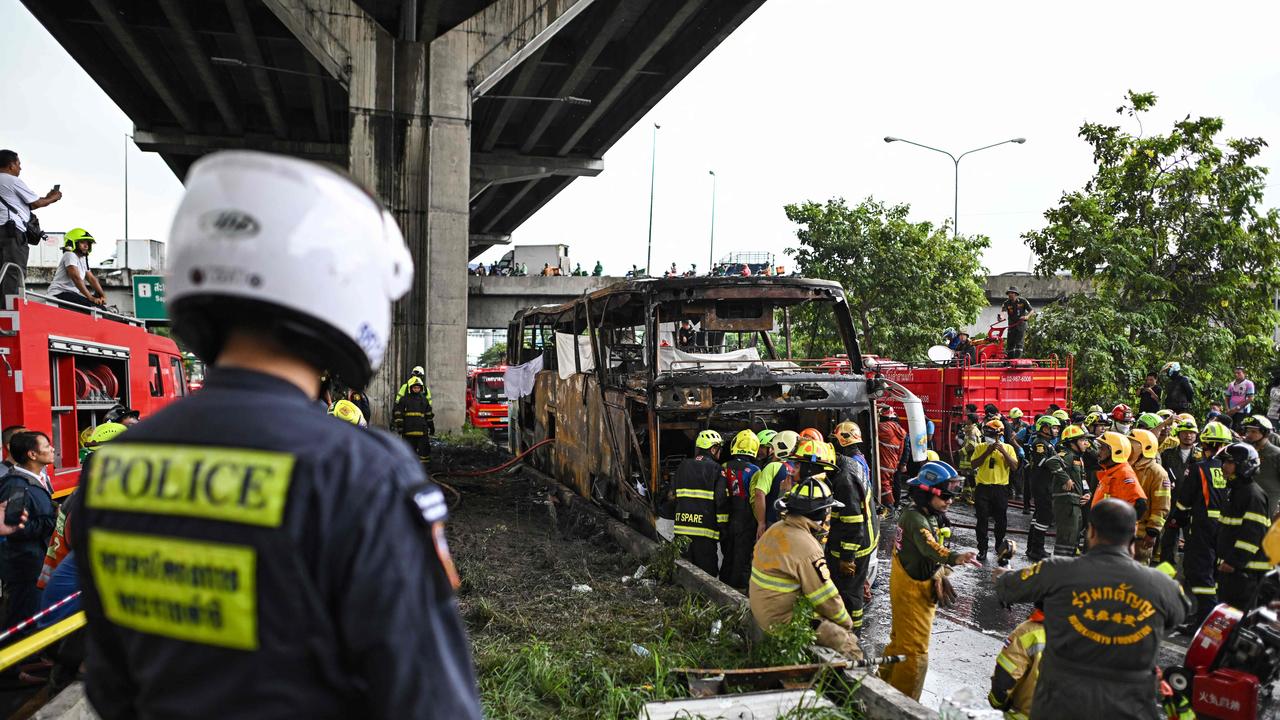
(1241, 561)
(1070, 493)
(788, 561)
(1018, 310)
(1197, 508)
(1178, 461)
(993, 460)
(702, 502)
(921, 562)
(414, 420)
(419, 373)
(739, 536)
(855, 529)
(306, 569)
(1104, 618)
(1039, 452)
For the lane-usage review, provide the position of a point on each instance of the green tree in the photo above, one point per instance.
(905, 281)
(495, 355)
(1182, 258)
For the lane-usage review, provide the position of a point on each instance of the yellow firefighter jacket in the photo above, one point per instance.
(787, 563)
(1017, 668)
(1155, 483)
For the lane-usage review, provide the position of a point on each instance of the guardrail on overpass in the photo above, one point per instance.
(494, 299)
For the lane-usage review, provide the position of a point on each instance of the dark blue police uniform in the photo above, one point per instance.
(245, 555)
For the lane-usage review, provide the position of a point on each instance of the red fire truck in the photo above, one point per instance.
(1030, 385)
(61, 370)
(487, 399)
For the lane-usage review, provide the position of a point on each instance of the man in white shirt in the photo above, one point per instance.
(72, 280)
(16, 195)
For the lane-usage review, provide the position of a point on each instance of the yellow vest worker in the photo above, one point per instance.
(1013, 683)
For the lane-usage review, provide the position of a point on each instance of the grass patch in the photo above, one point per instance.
(469, 438)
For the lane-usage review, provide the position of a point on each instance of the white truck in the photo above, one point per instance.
(534, 257)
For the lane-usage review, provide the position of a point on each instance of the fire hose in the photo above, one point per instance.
(457, 496)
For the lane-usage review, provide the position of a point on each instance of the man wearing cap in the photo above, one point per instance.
(1018, 310)
(72, 280)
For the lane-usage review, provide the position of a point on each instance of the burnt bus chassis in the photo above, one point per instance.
(621, 427)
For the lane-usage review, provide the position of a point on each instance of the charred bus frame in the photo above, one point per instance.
(624, 402)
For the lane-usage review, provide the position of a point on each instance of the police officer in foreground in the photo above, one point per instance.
(305, 570)
(1104, 618)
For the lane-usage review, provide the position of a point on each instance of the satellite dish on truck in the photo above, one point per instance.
(940, 354)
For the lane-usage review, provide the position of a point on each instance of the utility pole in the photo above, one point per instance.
(653, 169)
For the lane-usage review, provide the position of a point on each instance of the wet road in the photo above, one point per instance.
(967, 637)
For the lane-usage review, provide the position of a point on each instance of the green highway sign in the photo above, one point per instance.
(148, 297)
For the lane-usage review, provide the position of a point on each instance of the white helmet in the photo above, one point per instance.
(417, 370)
(289, 247)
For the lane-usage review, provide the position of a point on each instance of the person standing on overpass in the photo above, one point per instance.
(1104, 618)
(306, 568)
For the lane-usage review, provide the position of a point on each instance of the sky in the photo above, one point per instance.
(793, 106)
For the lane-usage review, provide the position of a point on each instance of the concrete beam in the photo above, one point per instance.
(175, 11)
(312, 29)
(658, 30)
(488, 240)
(494, 300)
(528, 25)
(619, 12)
(179, 143)
(179, 107)
(522, 86)
(253, 56)
(489, 169)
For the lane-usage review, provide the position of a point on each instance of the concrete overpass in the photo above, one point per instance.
(495, 299)
(438, 106)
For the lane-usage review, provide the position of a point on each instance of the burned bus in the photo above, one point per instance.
(624, 379)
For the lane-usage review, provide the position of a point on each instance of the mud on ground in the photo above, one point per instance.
(544, 649)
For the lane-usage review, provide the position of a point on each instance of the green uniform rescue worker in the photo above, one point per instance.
(1013, 682)
(702, 502)
(419, 373)
(1066, 479)
(739, 535)
(1241, 561)
(855, 529)
(918, 555)
(275, 563)
(788, 562)
(1105, 616)
(773, 481)
(1040, 451)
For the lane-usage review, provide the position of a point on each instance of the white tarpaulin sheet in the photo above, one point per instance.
(670, 358)
(565, 347)
(518, 379)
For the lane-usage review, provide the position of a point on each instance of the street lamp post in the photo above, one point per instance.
(955, 217)
(712, 250)
(653, 169)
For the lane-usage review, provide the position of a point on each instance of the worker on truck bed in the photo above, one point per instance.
(73, 282)
(313, 577)
(1018, 310)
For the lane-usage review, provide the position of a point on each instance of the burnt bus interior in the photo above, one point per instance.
(624, 391)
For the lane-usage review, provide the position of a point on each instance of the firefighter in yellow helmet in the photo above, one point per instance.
(1198, 505)
(414, 420)
(1144, 457)
(739, 536)
(702, 502)
(855, 528)
(73, 282)
(347, 411)
(789, 561)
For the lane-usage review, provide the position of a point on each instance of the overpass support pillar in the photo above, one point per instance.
(410, 144)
